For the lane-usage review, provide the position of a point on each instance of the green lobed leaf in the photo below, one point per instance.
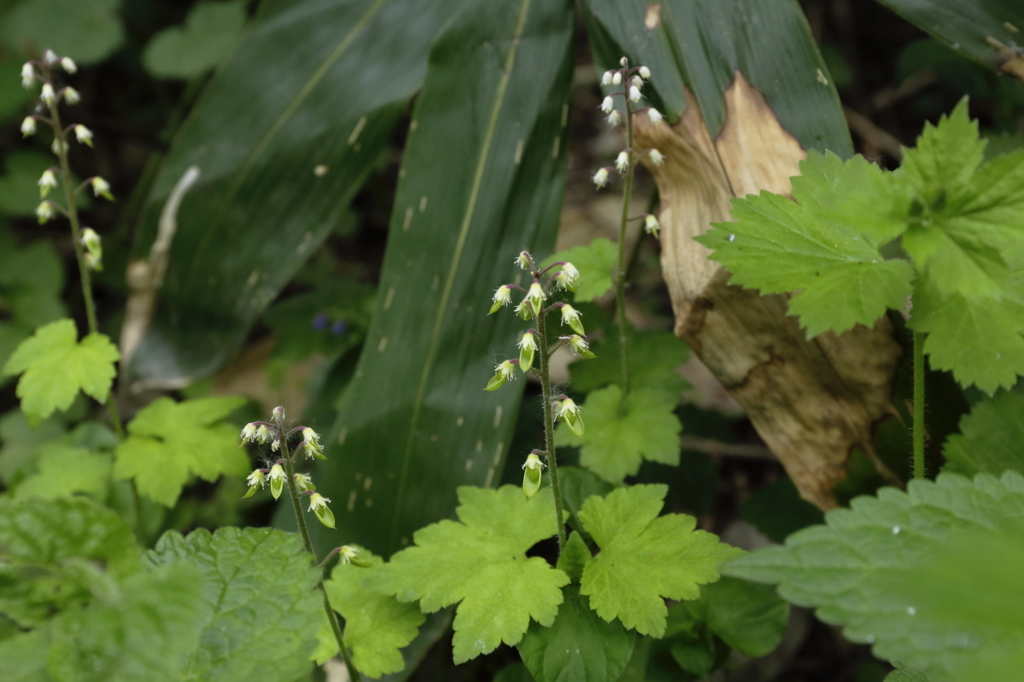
(595, 261)
(480, 563)
(577, 485)
(578, 646)
(991, 438)
(65, 470)
(257, 585)
(211, 31)
(573, 557)
(645, 558)
(51, 552)
(853, 570)
(144, 634)
(653, 358)
(377, 626)
(414, 423)
(748, 617)
(615, 443)
(168, 442)
(88, 31)
(287, 129)
(55, 366)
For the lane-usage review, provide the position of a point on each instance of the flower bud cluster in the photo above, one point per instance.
(274, 433)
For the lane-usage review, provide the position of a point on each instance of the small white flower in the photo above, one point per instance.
(257, 478)
(624, 62)
(651, 225)
(528, 342)
(601, 177)
(317, 501)
(578, 346)
(69, 65)
(57, 146)
(346, 554)
(523, 260)
(634, 94)
(71, 95)
(28, 75)
(502, 296)
(101, 187)
(90, 240)
(569, 412)
(645, 73)
(48, 95)
(249, 431)
(28, 126)
(311, 443)
(657, 158)
(527, 347)
(503, 371)
(303, 482)
(276, 445)
(607, 104)
(570, 272)
(47, 181)
(50, 57)
(617, 78)
(606, 79)
(83, 135)
(44, 211)
(264, 434)
(655, 116)
(277, 479)
(523, 310)
(571, 317)
(532, 469)
(536, 297)
(615, 118)
(637, 82)
(622, 162)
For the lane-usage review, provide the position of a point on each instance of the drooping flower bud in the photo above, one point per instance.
(93, 249)
(502, 296)
(503, 371)
(523, 260)
(249, 432)
(523, 310)
(69, 65)
(607, 104)
(346, 554)
(606, 79)
(48, 95)
(28, 75)
(645, 73)
(637, 82)
(569, 412)
(101, 188)
(311, 443)
(532, 474)
(622, 161)
(28, 126)
(655, 116)
(47, 181)
(657, 158)
(256, 480)
(651, 226)
(571, 317)
(71, 95)
(318, 505)
(50, 57)
(527, 348)
(303, 483)
(83, 135)
(578, 346)
(277, 480)
(617, 78)
(264, 435)
(601, 177)
(634, 94)
(624, 62)
(278, 414)
(45, 211)
(535, 298)
(615, 118)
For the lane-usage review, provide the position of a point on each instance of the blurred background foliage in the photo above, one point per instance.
(283, 319)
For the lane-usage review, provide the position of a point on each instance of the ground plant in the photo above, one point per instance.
(480, 448)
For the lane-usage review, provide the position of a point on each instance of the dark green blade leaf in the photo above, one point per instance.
(968, 26)
(702, 43)
(482, 180)
(284, 135)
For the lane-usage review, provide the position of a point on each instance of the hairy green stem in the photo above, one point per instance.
(549, 428)
(918, 405)
(300, 520)
(620, 279)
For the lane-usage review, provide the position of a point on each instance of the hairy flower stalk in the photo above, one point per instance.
(549, 426)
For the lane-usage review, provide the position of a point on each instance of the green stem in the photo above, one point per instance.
(300, 520)
(620, 279)
(918, 405)
(549, 428)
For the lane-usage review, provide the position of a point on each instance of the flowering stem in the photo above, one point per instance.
(300, 520)
(549, 428)
(620, 279)
(918, 405)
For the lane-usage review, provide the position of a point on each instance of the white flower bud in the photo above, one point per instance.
(622, 162)
(645, 73)
(606, 79)
(101, 188)
(634, 94)
(624, 62)
(50, 57)
(655, 116)
(71, 95)
(28, 126)
(46, 182)
(615, 118)
(651, 226)
(44, 212)
(83, 135)
(601, 177)
(69, 65)
(617, 78)
(48, 95)
(637, 81)
(607, 104)
(657, 158)
(58, 146)
(28, 75)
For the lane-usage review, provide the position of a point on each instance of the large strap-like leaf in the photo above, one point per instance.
(703, 43)
(986, 30)
(283, 136)
(481, 180)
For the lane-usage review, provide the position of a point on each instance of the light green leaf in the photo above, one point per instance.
(21, 442)
(377, 626)
(749, 617)
(653, 358)
(24, 656)
(257, 586)
(65, 470)
(574, 557)
(777, 246)
(645, 558)
(991, 438)
(210, 32)
(60, 543)
(577, 485)
(578, 646)
(56, 366)
(169, 442)
(614, 444)
(480, 562)
(853, 569)
(87, 30)
(596, 261)
(946, 155)
(144, 633)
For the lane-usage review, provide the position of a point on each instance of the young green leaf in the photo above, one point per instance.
(991, 438)
(145, 631)
(595, 263)
(853, 568)
(65, 470)
(51, 552)
(56, 366)
(778, 246)
(377, 626)
(574, 557)
(615, 443)
(257, 585)
(480, 561)
(171, 441)
(578, 646)
(645, 558)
